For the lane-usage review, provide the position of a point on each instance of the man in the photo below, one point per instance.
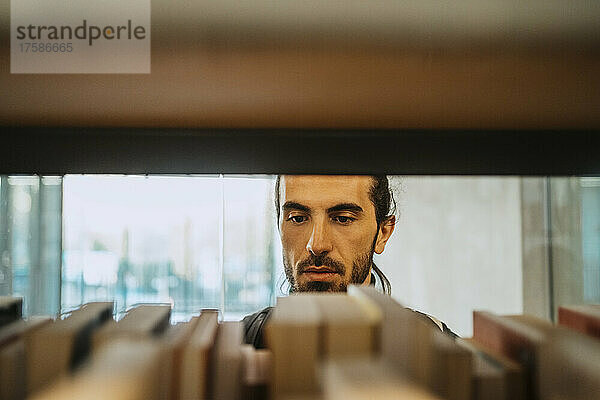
(330, 227)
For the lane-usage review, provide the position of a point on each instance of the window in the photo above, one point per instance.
(30, 241)
(192, 241)
(590, 221)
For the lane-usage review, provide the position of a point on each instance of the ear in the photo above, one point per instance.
(385, 231)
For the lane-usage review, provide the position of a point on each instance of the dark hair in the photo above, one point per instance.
(382, 198)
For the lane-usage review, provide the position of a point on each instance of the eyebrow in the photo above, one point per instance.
(345, 207)
(292, 205)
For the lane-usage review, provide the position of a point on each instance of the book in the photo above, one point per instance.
(350, 325)
(404, 336)
(124, 369)
(368, 378)
(12, 356)
(227, 361)
(419, 348)
(11, 309)
(569, 367)
(19, 328)
(176, 339)
(487, 379)
(566, 361)
(61, 346)
(487, 367)
(450, 368)
(582, 318)
(494, 376)
(140, 322)
(516, 337)
(354, 326)
(256, 372)
(293, 334)
(195, 376)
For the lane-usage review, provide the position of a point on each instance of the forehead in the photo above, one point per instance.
(326, 190)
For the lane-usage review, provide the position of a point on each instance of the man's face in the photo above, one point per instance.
(328, 231)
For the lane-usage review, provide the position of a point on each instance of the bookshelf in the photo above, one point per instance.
(353, 345)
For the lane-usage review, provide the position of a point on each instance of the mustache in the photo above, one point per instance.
(320, 260)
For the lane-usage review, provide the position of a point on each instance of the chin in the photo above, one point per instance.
(322, 286)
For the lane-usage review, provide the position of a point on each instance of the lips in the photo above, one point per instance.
(319, 270)
(321, 273)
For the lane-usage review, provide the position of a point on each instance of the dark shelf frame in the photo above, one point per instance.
(43, 150)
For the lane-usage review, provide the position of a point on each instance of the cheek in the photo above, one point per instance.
(356, 240)
(292, 241)
(352, 245)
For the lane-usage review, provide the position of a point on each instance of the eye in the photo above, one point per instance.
(343, 219)
(297, 219)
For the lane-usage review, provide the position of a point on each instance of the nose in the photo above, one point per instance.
(319, 241)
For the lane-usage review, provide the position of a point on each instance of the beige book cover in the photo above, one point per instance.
(256, 372)
(18, 329)
(451, 368)
(176, 339)
(124, 369)
(418, 348)
(59, 347)
(293, 336)
(368, 378)
(569, 367)
(518, 337)
(227, 359)
(196, 357)
(12, 356)
(350, 325)
(487, 367)
(566, 362)
(405, 336)
(140, 322)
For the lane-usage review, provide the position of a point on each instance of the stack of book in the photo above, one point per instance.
(356, 345)
(365, 345)
(86, 354)
(13, 331)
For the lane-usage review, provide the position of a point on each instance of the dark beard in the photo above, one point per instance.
(361, 268)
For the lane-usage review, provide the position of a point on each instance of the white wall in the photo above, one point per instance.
(456, 247)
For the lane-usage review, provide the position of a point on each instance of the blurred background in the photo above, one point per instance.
(504, 244)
